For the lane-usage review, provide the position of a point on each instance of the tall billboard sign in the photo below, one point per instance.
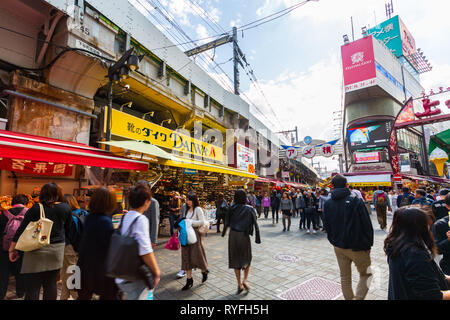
(358, 64)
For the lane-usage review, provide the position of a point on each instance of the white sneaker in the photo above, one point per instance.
(307, 231)
(181, 274)
(314, 231)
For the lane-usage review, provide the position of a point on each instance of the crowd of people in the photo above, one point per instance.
(420, 231)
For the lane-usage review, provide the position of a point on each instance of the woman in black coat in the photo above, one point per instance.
(410, 249)
(94, 247)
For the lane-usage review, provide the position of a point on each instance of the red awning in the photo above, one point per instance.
(22, 146)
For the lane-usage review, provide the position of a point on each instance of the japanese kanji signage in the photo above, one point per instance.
(327, 150)
(36, 167)
(127, 126)
(309, 152)
(358, 62)
(291, 153)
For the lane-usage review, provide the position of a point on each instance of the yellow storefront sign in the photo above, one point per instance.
(130, 127)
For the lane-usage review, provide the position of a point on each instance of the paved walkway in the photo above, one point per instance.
(281, 262)
(310, 256)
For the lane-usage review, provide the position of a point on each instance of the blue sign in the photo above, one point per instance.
(307, 140)
(190, 171)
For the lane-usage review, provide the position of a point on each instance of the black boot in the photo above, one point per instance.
(205, 276)
(189, 283)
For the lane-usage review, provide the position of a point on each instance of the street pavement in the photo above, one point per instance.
(281, 262)
(308, 258)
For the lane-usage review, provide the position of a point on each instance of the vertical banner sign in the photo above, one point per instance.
(392, 149)
(358, 62)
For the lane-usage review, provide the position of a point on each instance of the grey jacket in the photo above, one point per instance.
(152, 214)
(286, 204)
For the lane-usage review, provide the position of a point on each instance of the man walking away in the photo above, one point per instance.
(439, 209)
(405, 199)
(441, 232)
(381, 203)
(349, 229)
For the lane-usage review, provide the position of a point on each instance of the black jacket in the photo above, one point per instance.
(347, 221)
(439, 209)
(60, 214)
(242, 218)
(413, 275)
(221, 209)
(440, 229)
(311, 202)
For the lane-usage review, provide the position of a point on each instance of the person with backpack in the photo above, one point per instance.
(221, 210)
(439, 207)
(10, 221)
(72, 247)
(41, 266)
(349, 229)
(381, 203)
(421, 198)
(405, 199)
(98, 229)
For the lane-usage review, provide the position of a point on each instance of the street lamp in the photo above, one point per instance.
(151, 113)
(117, 72)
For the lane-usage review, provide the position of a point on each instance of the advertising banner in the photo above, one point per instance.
(389, 33)
(36, 167)
(128, 126)
(368, 157)
(371, 135)
(358, 64)
(405, 162)
(245, 158)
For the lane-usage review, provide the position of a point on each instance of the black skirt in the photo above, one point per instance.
(239, 250)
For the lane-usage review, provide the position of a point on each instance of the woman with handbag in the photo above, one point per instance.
(41, 266)
(193, 255)
(242, 220)
(98, 229)
(135, 224)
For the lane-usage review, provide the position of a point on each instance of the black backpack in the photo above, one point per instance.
(405, 201)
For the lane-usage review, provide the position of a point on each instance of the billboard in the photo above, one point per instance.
(358, 64)
(245, 158)
(394, 34)
(370, 135)
(367, 157)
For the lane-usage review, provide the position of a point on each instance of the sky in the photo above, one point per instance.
(296, 58)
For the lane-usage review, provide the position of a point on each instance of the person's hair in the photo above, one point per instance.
(138, 195)
(287, 195)
(240, 197)
(103, 201)
(443, 192)
(51, 193)
(380, 188)
(421, 192)
(432, 190)
(339, 181)
(220, 196)
(19, 199)
(350, 187)
(193, 197)
(325, 192)
(410, 228)
(428, 190)
(71, 201)
(405, 189)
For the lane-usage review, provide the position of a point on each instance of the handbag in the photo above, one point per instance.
(37, 233)
(123, 259)
(203, 229)
(173, 243)
(191, 236)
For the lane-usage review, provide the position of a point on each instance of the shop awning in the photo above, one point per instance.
(15, 145)
(199, 165)
(374, 180)
(436, 180)
(440, 140)
(141, 147)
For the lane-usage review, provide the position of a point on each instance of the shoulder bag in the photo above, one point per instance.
(37, 234)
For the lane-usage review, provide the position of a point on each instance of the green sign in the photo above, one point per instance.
(389, 33)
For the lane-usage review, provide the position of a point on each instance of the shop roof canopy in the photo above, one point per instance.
(15, 145)
(440, 140)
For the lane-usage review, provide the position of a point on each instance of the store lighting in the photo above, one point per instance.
(151, 113)
(128, 104)
(115, 78)
(169, 121)
(133, 62)
(124, 72)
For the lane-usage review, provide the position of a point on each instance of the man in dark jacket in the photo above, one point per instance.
(441, 231)
(349, 230)
(439, 209)
(421, 198)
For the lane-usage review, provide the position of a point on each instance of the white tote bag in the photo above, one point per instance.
(36, 235)
(191, 237)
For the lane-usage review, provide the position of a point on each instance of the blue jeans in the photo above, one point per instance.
(134, 290)
(172, 219)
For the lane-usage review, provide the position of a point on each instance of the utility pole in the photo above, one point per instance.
(235, 62)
